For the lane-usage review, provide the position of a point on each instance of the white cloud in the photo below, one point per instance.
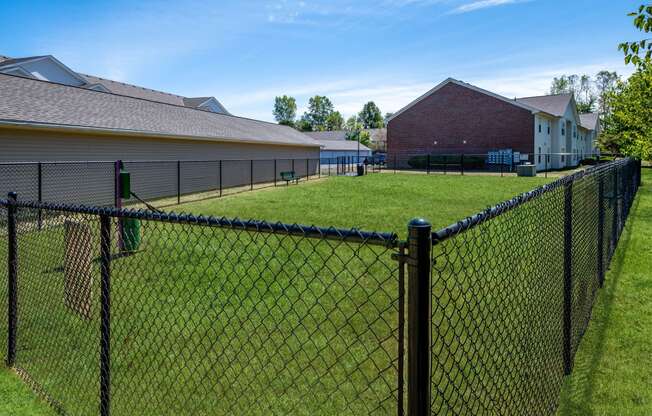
(482, 4)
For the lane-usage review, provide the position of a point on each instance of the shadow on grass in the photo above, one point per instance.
(580, 386)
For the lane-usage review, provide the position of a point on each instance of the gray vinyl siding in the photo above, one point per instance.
(152, 164)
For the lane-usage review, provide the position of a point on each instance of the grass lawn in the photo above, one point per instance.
(377, 202)
(18, 399)
(249, 323)
(613, 366)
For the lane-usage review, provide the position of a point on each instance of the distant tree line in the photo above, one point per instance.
(625, 106)
(321, 116)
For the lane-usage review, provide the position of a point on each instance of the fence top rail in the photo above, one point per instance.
(65, 162)
(353, 235)
(505, 206)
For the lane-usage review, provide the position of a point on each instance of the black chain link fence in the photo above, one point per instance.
(496, 163)
(513, 289)
(134, 312)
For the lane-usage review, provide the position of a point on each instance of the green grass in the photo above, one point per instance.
(262, 323)
(247, 322)
(18, 399)
(613, 366)
(378, 202)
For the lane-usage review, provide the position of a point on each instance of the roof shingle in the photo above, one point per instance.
(33, 101)
(552, 104)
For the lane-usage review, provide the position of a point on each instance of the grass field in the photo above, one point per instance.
(260, 320)
(378, 202)
(256, 323)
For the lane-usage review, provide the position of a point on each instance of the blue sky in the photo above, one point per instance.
(390, 51)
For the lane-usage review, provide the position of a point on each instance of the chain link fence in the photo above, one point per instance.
(126, 312)
(496, 163)
(513, 289)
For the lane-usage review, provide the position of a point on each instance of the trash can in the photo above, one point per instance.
(130, 234)
(360, 170)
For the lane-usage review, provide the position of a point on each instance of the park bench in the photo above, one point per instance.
(289, 176)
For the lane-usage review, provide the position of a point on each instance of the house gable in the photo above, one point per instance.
(456, 119)
(464, 85)
(45, 68)
(213, 105)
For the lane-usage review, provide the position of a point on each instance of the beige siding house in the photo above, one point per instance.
(84, 118)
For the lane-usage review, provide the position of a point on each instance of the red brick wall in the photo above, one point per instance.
(453, 114)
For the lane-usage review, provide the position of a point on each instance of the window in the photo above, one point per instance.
(574, 132)
(539, 148)
(539, 128)
(548, 129)
(563, 131)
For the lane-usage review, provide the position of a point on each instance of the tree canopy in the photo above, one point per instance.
(628, 125)
(370, 116)
(628, 128)
(335, 121)
(285, 110)
(639, 52)
(319, 110)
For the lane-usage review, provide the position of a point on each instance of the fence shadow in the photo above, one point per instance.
(581, 385)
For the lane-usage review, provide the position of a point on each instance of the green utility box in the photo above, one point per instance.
(130, 234)
(526, 169)
(125, 185)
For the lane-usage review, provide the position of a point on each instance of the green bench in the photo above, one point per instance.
(289, 176)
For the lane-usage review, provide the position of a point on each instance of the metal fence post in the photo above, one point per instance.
(462, 163)
(12, 279)
(445, 164)
(220, 178)
(614, 225)
(105, 315)
(178, 182)
(601, 231)
(307, 169)
(428, 165)
(251, 175)
(293, 167)
(419, 316)
(275, 174)
(546, 168)
(118, 202)
(568, 275)
(395, 156)
(40, 194)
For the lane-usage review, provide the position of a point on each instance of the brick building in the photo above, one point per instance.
(456, 117)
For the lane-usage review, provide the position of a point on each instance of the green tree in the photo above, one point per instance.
(335, 121)
(581, 86)
(358, 134)
(628, 128)
(303, 124)
(639, 52)
(605, 84)
(352, 123)
(285, 110)
(387, 117)
(370, 116)
(319, 109)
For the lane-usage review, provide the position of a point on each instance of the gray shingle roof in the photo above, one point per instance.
(134, 91)
(552, 104)
(341, 145)
(32, 101)
(589, 120)
(327, 135)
